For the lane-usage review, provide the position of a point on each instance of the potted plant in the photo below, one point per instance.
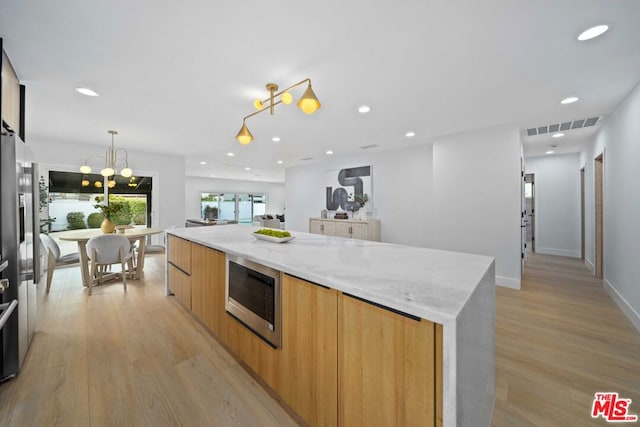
(108, 211)
(361, 200)
(210, 213)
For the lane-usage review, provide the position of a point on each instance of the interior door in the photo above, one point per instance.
(529, 197)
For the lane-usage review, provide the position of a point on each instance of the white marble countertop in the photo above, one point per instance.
(427, 283)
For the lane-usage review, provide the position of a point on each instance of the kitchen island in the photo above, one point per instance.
(372, 333)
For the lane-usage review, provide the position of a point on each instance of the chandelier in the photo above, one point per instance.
(308, 103)
(111, 161)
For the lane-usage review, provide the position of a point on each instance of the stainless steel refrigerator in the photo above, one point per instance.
(18, 233)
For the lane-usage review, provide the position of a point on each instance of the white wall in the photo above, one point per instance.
(402, 192)
(167, 172)
(477, 196)
(194, 186)
(557, 203)
(619, 139)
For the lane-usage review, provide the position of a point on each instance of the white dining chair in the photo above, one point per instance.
(54, 259)
(105, 250)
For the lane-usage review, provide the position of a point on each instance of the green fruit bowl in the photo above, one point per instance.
(271, 235)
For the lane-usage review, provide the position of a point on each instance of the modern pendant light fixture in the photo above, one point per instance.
(308, 103)
(111, 160)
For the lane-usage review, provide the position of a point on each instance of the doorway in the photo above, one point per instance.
(582, 214)
(530, 211)
(598, 171)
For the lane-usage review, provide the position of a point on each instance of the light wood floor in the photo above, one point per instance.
(134, 359)
(558, 341)
(137, 359)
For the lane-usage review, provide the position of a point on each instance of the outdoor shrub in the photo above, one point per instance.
(123, 216)
(76, 220)
(138, 209)
(95, 219)
(140, 218)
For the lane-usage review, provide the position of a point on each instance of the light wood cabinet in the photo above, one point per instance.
(352, 229)
(179, 253)
(180, 284)
(308, 375)
(386, 366)
(10, 94)
(179, 269)
(343, 361)
(208, 287)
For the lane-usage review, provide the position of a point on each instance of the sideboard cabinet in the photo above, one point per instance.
(350, 228)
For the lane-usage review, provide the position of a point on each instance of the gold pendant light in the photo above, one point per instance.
(111, 160)
(308, 103)
(244, 136)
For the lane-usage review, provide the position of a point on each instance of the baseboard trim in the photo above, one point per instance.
(558, 252)
(508, 282)
(590, 265)
(633, 315)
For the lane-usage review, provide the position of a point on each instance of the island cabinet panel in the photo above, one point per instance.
(308, 376)
(179, 253)
(386, 367)
(207, 287)
(255, 353)
(180, 284)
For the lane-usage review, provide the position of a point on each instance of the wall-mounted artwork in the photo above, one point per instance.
(345, 184)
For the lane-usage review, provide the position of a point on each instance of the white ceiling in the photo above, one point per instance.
(177, 77)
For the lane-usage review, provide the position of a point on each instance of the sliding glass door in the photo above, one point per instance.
(240, 207)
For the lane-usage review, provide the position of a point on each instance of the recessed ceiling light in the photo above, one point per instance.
(557, 135)
(410, 134)
(329, 152)
(247, 168)
(203, 163)
(280, 162)
(213, 176)
(276, 139)
(569, 100)
(87, 91)
(230, 154)
(593, 32)
(550, 152)
(364, 109)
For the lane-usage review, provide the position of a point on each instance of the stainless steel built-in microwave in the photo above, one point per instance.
(253, 297)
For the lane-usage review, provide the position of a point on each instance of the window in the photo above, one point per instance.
(73, 195)
(240, 207)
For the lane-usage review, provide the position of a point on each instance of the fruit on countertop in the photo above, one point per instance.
(273, 233)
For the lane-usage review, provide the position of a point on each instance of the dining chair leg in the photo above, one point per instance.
(51, 266)
(95, 270)
(123, 266)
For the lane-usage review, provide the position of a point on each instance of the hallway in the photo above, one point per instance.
(560, 339)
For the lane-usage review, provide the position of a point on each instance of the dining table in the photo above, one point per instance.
(134, 234)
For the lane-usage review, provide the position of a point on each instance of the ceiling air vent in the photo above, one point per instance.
(576, 124)
(307, 158)
(591, 122)
(366, 147)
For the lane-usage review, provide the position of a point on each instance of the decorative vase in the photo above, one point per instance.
(107, 226)
(362, 214)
